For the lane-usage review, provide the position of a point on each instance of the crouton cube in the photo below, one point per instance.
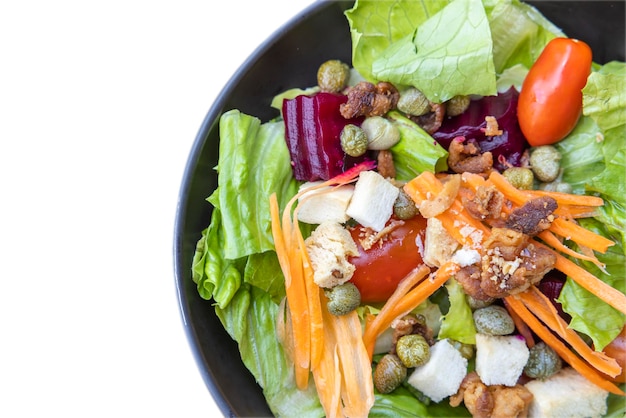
(566, 394)
(442, 374)
(372, 201)
(500, 360)
(327, 204)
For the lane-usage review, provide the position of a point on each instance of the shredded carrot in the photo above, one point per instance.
(549, 238)
(520, 325)
(602, 290)
(539, 305)
(404, 299)
(572, 231)
(561, 349)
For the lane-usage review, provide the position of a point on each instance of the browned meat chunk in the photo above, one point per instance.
(535, 216)
(510, 264)
(486, 204)
(367, 99)
(385, 165)
(431, 121)
(411, 324)
(494, 401)
(466, 157)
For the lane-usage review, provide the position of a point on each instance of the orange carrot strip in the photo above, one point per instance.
(327, 375)
(520, 197)
(602, 290)
(404, 302)
(555, 243)
(542, 308)
(580, 235)
(520, 325)
(561, 349)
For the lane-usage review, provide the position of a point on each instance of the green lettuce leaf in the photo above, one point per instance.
(375, 25)
(519, 33)
(416, 151)
(250, 320)
(256, 162)
(449, 54)
(601, 98)
(458, 323)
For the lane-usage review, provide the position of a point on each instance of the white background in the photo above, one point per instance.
(99, 105)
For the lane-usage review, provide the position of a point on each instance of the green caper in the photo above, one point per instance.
(353, 140)
(466, 350)
(457, 105)
(343, 298)
(542, 362)
(545, 163)
(493, 320)
(413, 350)
(389, 373)
(332, 76)
(520, 177)
(381, 133)
(404, 207)
(413, 102)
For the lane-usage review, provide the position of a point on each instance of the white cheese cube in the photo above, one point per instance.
(372, 201)
(327, 204)
(500, 360)
(442, 374)
(566, 394)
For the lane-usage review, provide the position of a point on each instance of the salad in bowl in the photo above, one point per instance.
(434, 227)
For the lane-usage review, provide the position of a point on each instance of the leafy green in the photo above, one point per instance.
(250, 320)
(458, 323)
(416, 151)
(449, 54)
(375, 25)
(256, 160)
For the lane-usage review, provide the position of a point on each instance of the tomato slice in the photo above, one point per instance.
(380, 269)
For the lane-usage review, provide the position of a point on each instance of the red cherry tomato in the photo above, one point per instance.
(551, 99)
(617, 350)
(379, 269)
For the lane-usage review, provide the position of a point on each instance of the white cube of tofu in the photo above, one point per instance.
(328, 204)
(566, 394)
(442, 374)
(372, 201)
(500, 360)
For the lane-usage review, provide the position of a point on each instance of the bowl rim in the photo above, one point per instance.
(211, 117)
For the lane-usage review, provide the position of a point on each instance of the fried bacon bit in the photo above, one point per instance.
(466, 157)
(367, 99)
(486, 203)
(431, 121)
(492, 128)
(385, 165)
(368, 237)
(440, 203)
(484, 401)
(535, 216)
(410, 324)
(510, 264)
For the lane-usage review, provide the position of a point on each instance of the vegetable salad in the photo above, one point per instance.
(314, 347)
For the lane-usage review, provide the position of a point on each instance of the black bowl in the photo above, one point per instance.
(289, 58)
